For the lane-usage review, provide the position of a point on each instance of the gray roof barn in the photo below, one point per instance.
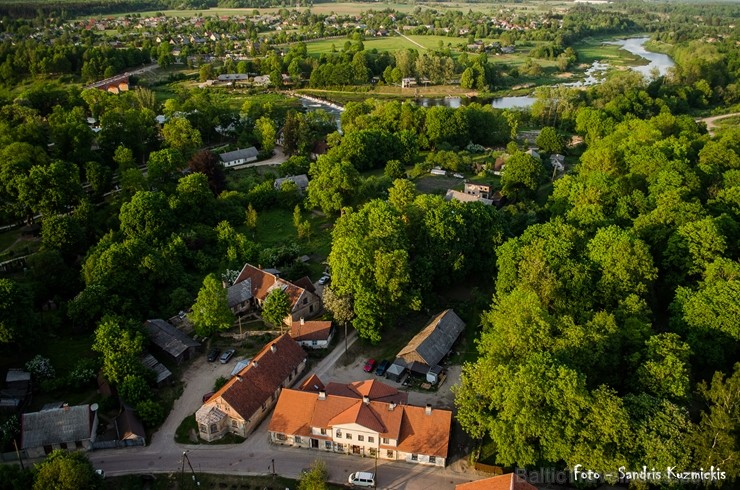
(434, 342)
(56, 426)
(170, 340)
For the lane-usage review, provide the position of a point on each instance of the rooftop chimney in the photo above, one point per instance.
(391, 406)
(366, 400)
(322, 395)
(302, 321)
(273, 348)
(428, 409)
(238, 378)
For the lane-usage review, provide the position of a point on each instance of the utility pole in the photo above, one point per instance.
(18, 453)
(185, 457)
(273, 469)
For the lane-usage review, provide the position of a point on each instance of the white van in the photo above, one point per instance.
(362, 479)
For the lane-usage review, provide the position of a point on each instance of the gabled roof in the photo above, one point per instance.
(129, 426)
(310, 330)
(262, 282)
(360, 414)
(434, 342)
(255, 384)
(509, 481)
(415, 430)
(244, 153)
(305, 283)
(67, 424)
(312, 384)
(375, 390)
(238, 293)
(168, 338)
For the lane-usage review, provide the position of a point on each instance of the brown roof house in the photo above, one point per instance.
(433, 343)
(252, 286)
(59, 428)
(363, 419)
(510, 481)
(312, 334)
(240, 405)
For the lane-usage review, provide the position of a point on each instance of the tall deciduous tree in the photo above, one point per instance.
(180, 135)
(15, 311)
(276, 307)
(332, 183)
(266, 131)
(120, 344)
(211, 312)
(522, 175)
(208, 163)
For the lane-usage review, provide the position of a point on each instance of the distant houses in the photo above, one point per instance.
(241, 404)
(239, 157)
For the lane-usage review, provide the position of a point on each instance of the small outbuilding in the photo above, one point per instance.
(396, 370)
(172, 342)
(68, 428)
(239, 157)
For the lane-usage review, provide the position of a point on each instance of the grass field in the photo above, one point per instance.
(592, 49)
(324, 46)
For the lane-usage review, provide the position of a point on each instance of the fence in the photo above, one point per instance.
(116, 444)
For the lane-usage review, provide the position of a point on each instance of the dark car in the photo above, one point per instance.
(213, 354)
(382, 367)
(226, 355)
(369, 366)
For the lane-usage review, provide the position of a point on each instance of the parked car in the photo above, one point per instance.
(213, 354)
(226, 355)
(324, 279)
(362, 479)
(382, 367)
(208, 395)
(369, 366)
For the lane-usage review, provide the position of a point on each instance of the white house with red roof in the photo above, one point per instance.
(365, 418)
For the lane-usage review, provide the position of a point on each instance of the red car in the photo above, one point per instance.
(369, 366)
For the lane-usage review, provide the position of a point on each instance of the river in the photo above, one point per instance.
(594, 75)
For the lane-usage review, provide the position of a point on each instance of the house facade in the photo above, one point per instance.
(374, 425)
(241, 404)
(312, 334)
(239, 157)
(252, 286)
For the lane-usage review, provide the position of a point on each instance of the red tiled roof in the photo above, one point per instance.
(312, 384)
(375, 390)
(313, 330)
(509, 481)
(297, 411)
(305, 283)
(263, 282)
(255, 384)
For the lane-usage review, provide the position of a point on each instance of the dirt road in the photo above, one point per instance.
(709, 121)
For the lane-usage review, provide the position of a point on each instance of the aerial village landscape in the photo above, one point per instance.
(400, 245)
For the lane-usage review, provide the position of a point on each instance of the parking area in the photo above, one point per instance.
(440, 398)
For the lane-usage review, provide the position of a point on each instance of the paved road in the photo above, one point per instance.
(255, 455)
(278, 158)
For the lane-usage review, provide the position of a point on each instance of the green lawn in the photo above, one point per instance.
(64, 352)
(8, 238)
